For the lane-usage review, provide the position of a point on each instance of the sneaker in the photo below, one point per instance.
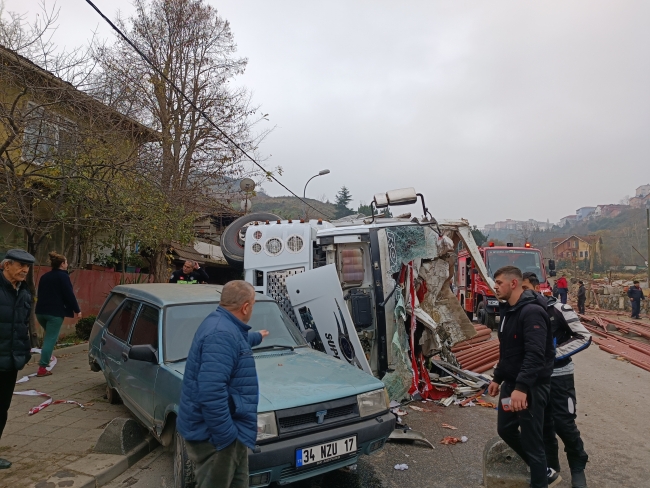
(553, 477)
(578, 479)
(43, 372)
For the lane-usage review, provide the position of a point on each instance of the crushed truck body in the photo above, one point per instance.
(368, 290)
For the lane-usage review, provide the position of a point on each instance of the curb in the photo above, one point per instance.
(96, 470)
(83, 347)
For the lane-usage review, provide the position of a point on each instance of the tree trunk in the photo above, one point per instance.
(160, 264)
(31, 284)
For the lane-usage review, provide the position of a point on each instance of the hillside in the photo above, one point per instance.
(291, 207)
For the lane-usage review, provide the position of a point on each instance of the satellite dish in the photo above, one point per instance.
(247, 185)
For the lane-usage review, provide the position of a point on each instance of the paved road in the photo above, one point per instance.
(613, 397)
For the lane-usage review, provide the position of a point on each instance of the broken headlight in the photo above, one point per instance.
(266, 426)
(373, 402)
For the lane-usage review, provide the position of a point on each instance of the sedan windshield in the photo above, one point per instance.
(182, 322)
(524, 260)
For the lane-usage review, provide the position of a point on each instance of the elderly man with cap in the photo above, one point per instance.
(15, 309)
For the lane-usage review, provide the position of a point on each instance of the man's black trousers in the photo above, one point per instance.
(581, 305)
(522, 431)
(7, 385)
(636, 308)
(560, 418)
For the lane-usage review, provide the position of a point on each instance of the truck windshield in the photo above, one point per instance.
(524, 260)
(182, 322)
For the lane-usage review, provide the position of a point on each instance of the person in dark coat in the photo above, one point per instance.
(191, 274)
(217, 416)
(523, 373)
(582, 297)
(15, 309)
(635, 293)
(55, 301)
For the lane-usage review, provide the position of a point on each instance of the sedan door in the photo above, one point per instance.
(113, 346)
(140, 376)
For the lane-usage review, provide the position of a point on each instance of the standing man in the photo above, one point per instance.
(218, 409)
(15, 309)
(191, 274)
(570, 337)
(582, 297)
(523, 373)
(636, 295)
(562, 288)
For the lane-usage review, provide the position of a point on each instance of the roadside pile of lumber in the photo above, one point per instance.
(479, 353)
(602, 325)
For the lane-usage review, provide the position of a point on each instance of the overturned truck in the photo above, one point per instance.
(372, 291)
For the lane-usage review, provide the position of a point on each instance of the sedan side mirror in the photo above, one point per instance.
(309, 335)
(144, 353)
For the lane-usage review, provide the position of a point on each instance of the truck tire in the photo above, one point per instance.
(232, 243)
(183, 466)
(484, 317)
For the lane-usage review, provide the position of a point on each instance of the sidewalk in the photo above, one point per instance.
(40, 445)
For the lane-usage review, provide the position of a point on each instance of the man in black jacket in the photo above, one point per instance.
(635, 294)
(523, 374)
(15, 309)
(191, 274)
(570, 337)
(582, 297)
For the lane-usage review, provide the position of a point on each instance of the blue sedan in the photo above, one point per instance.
(315, 414)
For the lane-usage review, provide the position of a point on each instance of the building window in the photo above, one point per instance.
(46, 136)
(586, 254)
(581, 254)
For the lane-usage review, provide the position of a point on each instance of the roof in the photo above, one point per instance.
(587, 239)
(186, 253)
(113, 116)
(165, 294)
(569, 217)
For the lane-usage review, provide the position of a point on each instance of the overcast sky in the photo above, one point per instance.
(493, 110)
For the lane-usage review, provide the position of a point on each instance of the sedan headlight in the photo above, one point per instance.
(373, 402)
(266, 426)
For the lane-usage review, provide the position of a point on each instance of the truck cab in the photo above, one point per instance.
(475, 295)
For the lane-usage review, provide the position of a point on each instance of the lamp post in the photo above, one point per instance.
(304, 192)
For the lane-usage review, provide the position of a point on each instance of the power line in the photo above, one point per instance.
(201, 112)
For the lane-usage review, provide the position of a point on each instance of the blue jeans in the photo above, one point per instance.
(52, 326)
(563, 293)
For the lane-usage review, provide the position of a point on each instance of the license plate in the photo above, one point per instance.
(493, 302)
(329, 451)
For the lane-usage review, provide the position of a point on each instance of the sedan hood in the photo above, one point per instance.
(292, 379)
(303, 377)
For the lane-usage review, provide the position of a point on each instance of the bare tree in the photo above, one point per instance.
(193, 164)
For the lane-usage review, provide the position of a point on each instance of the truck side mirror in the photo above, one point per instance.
(309, 335)
(551, 264)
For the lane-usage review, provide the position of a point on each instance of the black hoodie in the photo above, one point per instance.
(526, 342)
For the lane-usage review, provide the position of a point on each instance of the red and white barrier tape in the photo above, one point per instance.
(50, 400)
(46, 403)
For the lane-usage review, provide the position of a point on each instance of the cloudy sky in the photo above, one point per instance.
(493, 110)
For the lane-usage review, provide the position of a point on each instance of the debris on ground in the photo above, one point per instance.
(450, 440)
(447, 426)
(619, 337)
(401, 467)
(479, 353)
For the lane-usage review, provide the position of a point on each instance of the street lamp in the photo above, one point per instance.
(304, 192)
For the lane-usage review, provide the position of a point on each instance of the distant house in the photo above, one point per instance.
(640, 201)
(568, 220)
(611, 210)
(577, 248)
(643, 191)
(584, 213)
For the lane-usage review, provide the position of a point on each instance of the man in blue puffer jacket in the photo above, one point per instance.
(218, 409)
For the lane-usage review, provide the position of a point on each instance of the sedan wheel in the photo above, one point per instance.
(183, 466)
(112, 395)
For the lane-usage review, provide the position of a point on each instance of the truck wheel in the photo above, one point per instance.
(232, 240)
(183, 466)
(112, 395)
(491, 321)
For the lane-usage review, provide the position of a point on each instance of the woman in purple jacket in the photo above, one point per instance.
(55, 301)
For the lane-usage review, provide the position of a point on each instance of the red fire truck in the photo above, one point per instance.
(475, 295)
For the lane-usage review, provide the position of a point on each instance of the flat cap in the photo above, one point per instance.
(20, 256)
